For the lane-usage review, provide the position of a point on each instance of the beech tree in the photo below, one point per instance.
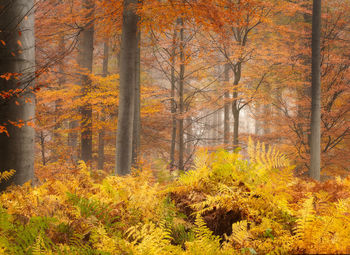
(315, 141)
(128, 58)
(85, 57)
(17, 73)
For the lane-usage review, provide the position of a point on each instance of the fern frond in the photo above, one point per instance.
(6, 175)
(307, 215)
(270, 158)
(240, 232)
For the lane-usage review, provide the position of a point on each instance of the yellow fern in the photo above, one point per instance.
(267, 159)
(240, 233)
(6, 175)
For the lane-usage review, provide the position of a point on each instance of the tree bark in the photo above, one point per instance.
(173, 102)
(85, 58)
(214, 128)
(219, 127)
(17, 148)
(315, 141)
(235, 106)
(101, 132)
(58, 103)
(128, 55)
(181, 98)
(227, 106)
(42, 145)
(137, 111)
(189, 136)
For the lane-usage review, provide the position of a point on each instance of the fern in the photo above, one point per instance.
(266, 159)
(90, 207)
(240, 232)
(151, 239)
(304, 230)
(6, 175)
(205, 242)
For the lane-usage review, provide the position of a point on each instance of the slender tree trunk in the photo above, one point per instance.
(137, 111)
(257, 127)
(101, 132)
(42, 145)
(58, 103)
(315, 143)
(85, 58)
(227, 106)
(128, 55)
(235, 106)
(235, 127)
(181, 98)
(73, 138)
(173, 102)
(219, 127)
(214, 128)
(17, 148)
(267, 113)
(188, 136)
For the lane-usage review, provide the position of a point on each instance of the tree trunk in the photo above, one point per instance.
(257, 119)
(173, 102)
(227, 107)
(189, 136)
(137, 111)
(315, 142)
(85, 58)
(181, 98)
(58, 103)
(235, 127)
(235, 106)
(73, 138)
(17, 148)
(101, 132)
(42, 145)
(128, 55)
(214, 128)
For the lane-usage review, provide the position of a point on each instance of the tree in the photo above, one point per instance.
(101, 132)
(17, 72)
(136, 140)
(85, 57)
(128, 58)
(315, 141)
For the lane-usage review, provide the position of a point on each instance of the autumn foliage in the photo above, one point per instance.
(224, 95)
(224, 205)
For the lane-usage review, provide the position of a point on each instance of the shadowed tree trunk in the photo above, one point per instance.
(235, 106)
(137, 111)
(85, 58)
(17, 148)
(58, 103)
(173, 102)
(181, 98)
(128, 55)
(101, 132)
(315, 142)
(73, 138)
(227, 106)
(189, 137)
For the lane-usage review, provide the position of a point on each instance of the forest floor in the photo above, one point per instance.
(225, 205)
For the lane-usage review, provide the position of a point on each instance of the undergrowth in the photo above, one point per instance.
(224, 205)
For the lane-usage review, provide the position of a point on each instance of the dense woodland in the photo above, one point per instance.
(174, 127)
